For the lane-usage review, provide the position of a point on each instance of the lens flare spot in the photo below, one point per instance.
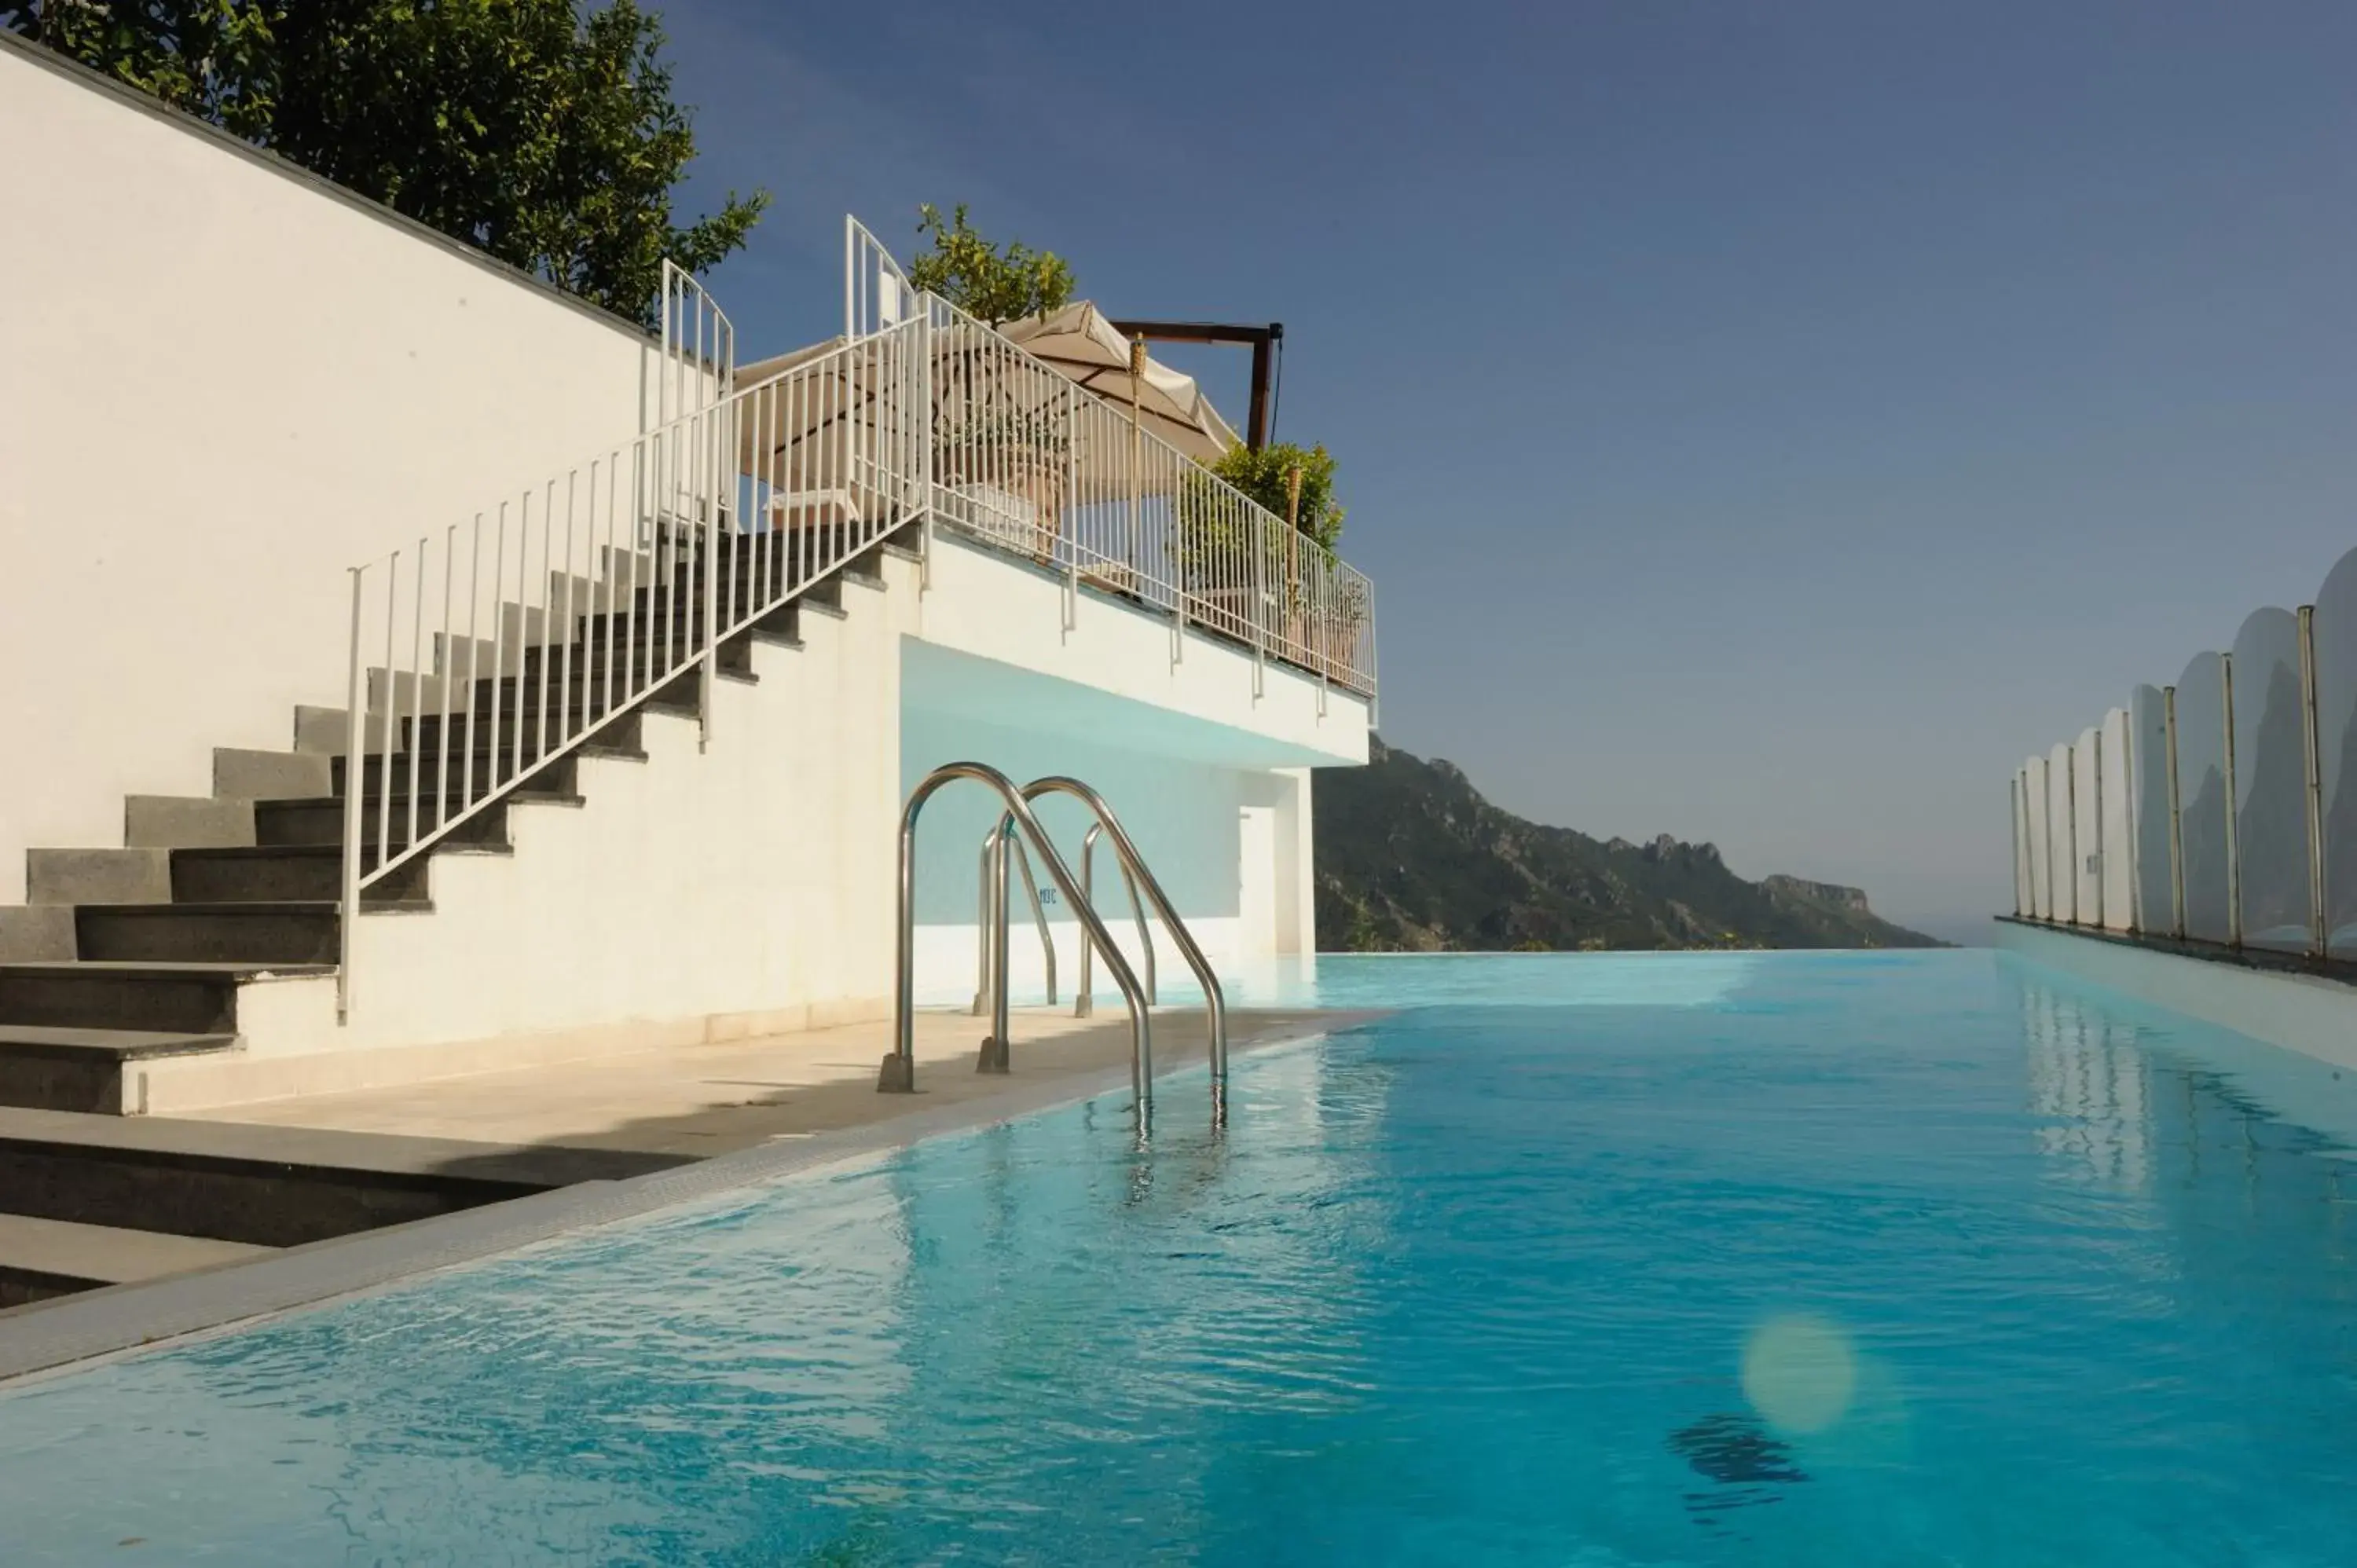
(1799, 1372)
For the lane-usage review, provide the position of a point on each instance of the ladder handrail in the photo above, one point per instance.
(1214, 1000)
(1083, 1003)
(898, 1074)
(994, 889)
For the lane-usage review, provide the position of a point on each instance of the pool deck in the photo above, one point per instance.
(685, 1124)
(697, 1102)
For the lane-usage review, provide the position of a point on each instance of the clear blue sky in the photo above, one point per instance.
(1763, 423)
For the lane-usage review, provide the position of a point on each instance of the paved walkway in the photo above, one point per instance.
(702, 1100)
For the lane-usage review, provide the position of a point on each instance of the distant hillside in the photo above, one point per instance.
(1411, 857)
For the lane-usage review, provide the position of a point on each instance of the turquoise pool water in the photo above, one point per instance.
(1778, 1260)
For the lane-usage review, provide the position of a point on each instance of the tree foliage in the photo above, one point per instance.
(1265, 475)
(213, 58)
(545, 135)
(990, 283)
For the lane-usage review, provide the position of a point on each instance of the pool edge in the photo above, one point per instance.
(73, 1333)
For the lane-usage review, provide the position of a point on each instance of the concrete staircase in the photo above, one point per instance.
(210, 899)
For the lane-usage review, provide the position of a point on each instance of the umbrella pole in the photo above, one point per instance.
(1293, 548)
(1136, 455)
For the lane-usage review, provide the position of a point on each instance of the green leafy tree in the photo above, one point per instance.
(1265, 475)
(1219, 540)
(547, 135)
(990, 283)
(212, 58)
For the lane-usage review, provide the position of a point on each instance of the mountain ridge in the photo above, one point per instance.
(1412, 858)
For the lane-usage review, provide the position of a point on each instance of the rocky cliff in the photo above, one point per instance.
(1411, 857)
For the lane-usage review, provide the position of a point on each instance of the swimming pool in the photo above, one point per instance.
(1726, 1259)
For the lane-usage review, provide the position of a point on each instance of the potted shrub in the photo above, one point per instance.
(1218, 539)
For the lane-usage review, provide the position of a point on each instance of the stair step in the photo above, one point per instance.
(82, 1070)
(170, 822)
(617, 740)
(271, 1187)
(660, 615)
(242, 775)
(578, 699)
(296, 872)
(107, 1045)
(669, 648)
(44, 1257)
(97, 876)
(556, 781)
(579, 664)
(278, 933)
(173, 998)
(508, 741)
(308, 824)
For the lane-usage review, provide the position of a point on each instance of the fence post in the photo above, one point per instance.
(2095, 776)
(925, 478)
(355, 755)
(2176, 820)
(706, 683)
(1177, 548)
(850, 274)
(1071, 505)
(2069, 825)
(2234, 843)
(1260, 543)
(2013, 805)
(2319, 934)
(2131, 787)
(1136, 471)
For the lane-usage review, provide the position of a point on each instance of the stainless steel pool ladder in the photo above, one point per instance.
(992, 900)
(1084, 1002)
(1135, 872)
(991, 917)
(899, 1073)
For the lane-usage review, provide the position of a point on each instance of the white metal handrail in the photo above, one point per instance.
(1029, 462)
(507, 643)
(698, 347)
(876, 294)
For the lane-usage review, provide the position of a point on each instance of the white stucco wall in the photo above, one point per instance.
(222, 385)
(235, 384)
(1192, 694)
(1007, 666)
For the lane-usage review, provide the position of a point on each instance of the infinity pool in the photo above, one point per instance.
(1583, 1261)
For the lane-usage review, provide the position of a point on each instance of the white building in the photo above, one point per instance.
(710, 629)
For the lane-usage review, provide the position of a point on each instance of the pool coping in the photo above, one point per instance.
(77, 1331)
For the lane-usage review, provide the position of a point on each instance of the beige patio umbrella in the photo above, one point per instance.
(791, 434)
(1080, 342)
(788, 444)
